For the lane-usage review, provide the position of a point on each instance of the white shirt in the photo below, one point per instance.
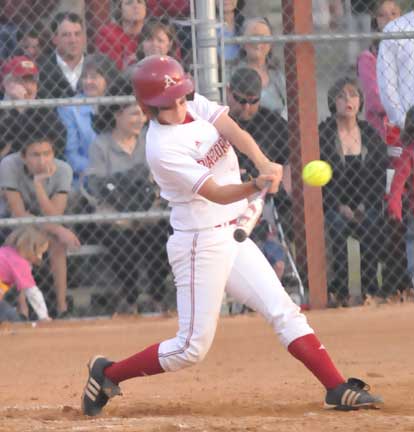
(182, 157)
(72, 75)
(395, 71)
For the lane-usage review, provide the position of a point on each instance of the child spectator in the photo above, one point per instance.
(384, 12)
(98, 72)
(34, 182)
(23, 247)
(119, 39)
(158, 37)
(29, 42)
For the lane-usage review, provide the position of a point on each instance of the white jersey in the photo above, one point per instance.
(182, 157)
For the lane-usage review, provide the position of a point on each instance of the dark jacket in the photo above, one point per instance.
(372, 177)
(52, 82)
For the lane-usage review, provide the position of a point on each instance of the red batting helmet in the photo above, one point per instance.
(159, 80)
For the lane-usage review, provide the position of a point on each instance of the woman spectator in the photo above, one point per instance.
(353, 199)
(384, 12)
(119, 177)
(260, 57)
(98, 72)
(119, 39)
(158, 37)
(232, 26)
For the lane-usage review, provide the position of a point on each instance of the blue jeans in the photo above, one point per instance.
(368, 232)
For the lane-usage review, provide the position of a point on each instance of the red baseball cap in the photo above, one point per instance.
(20, 66)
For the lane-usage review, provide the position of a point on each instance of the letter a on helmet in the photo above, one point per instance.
(159, 80)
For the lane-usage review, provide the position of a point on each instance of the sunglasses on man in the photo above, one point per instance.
(243, 100)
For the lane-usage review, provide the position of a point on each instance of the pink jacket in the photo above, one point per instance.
(374, 110)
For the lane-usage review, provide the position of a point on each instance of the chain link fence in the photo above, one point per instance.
(72, 141)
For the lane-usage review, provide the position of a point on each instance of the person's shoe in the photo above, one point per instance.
(351, 395)
(98, 389)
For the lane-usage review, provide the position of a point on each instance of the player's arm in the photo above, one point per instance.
(244, 142)
(227, 194)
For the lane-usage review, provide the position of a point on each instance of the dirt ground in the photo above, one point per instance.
(248, 382)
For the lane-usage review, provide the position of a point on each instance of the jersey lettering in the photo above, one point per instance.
(168, 81)
(215, 153)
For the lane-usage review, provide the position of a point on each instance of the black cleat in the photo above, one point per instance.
(98, 389)
(351, 395)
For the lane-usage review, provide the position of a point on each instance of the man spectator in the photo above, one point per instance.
(394, 70)
(33, 182)
(20, 81)
(269, 130)
(60, 71)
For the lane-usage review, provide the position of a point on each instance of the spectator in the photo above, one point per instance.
(384, 12)
(177, 8)
(20, 81)
(35, 183)
(8, 31)
(60, 71)
(327, 14)
(158, 37)
(119, 177)
(403, 172)
(353, 198)
(394, 70)
(29, 42)
(23, 247)
(119, 39)
(269, 130)
(98, 72)
(232, 26)
(260, 57)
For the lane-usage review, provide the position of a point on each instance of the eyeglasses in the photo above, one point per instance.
(245, 100)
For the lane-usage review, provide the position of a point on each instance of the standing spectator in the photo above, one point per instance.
(353, 198)
(60, 71)
(260, 57)
(119, 39)
(384, 12)
(98, 72)
(33, 182)
(8, 31)
(232, 26)
(20, 81)
(394, 70)
(158, 37)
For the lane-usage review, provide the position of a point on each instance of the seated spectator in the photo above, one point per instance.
(20, 81)
(353, 199)
(384, 12)
(23, 248)
(29, 42)
(33, 182)
(233, 24)
(177, 8)
(98, 72)
(158, 37)
(8, 31)
(260, 58)
(60, 70)
(119, 177)
(119, 39)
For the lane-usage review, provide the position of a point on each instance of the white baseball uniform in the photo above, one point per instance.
(204, 257)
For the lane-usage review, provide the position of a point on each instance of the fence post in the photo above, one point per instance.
(206, 61)
(304, 145)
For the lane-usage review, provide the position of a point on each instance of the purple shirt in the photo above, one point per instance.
(14, 269)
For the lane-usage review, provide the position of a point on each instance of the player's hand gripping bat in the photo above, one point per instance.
(249, 218)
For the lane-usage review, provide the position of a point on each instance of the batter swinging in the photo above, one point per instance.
(190, 151)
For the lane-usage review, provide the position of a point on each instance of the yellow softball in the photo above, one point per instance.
(317, 173)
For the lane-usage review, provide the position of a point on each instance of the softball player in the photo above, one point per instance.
(190, 152)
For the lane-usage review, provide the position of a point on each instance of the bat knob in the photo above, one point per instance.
(239, 235)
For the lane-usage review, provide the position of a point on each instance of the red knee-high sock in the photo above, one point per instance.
(314, 356)
(141, 364)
